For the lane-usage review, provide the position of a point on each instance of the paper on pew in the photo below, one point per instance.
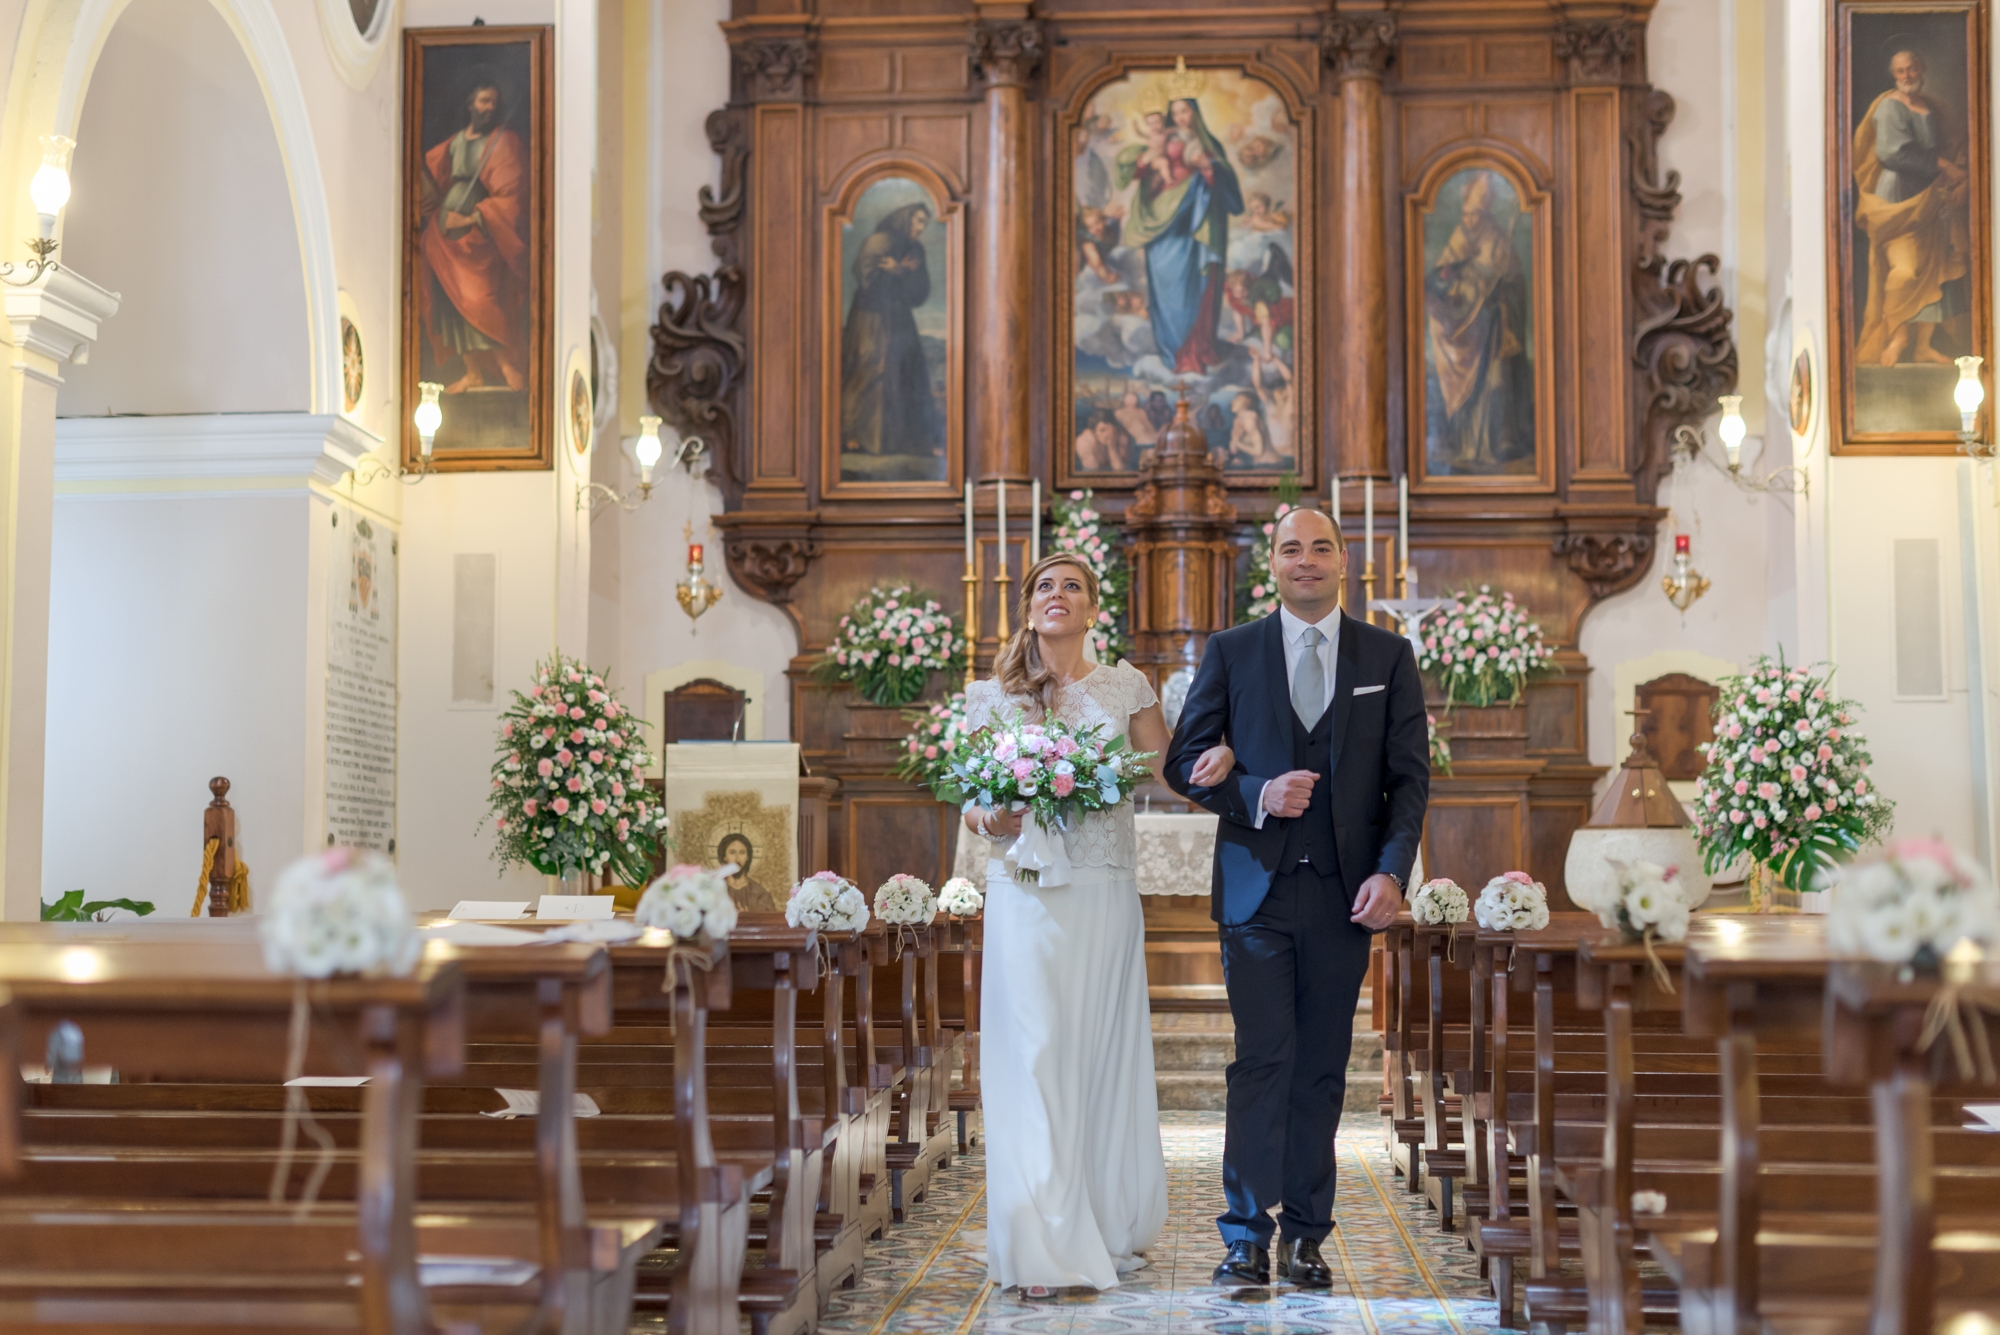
(1987, 1115)
(502, 1271)
(490, 908)
(328, 1081)
(575, 906)
(479, 934)
(602, 931)
(528, 1102)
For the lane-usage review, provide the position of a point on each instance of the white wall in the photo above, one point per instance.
(180, 204)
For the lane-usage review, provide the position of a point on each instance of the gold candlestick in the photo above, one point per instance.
(971, 582)
(1000, 590)
(1368, 588)
(1389, 563)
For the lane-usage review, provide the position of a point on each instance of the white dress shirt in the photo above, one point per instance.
(1293, 629)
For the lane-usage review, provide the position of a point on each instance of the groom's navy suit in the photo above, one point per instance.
(1283, 893)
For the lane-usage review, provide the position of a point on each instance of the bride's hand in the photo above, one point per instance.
(1213, 767)
(994, 824)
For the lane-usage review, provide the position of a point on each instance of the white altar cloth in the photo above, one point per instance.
(1176, 853)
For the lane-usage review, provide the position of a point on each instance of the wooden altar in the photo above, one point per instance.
(979, 103)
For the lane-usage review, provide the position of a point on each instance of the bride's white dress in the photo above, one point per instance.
(1076, 1182)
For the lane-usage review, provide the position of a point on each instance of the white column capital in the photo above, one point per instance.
(57, 318)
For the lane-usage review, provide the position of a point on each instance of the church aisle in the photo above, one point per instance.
(1395, 1275)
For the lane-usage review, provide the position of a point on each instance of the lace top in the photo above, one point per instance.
(1106, 698)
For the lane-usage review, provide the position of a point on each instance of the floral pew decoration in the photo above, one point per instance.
(1647, 903)
(827, 901)
(1513, 901)
(961, 898)
(1441, 900)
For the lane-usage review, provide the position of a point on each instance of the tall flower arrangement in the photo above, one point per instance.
(1257, 595)
(935, 735)
(1483, 649)
(569, 792)
(889, 643)
(1787, 783)
(1079, 529)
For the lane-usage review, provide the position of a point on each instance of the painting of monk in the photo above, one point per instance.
(1184, 273)
(1478, 330)
(1912, 296)
(894, 337)
(478, 261)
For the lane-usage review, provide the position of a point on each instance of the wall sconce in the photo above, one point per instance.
(690, 452)
(1731, 429)
(694, 591)
(1689, 440)
(50, 191)
(427, 417)
(1686, 585)
(647, 450)
(1969, 393)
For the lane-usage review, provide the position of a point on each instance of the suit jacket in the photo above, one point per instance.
(1380, 779)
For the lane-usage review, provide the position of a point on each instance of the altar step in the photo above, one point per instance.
(1192, 1050)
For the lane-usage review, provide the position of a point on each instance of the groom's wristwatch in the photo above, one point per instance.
(1401, 889)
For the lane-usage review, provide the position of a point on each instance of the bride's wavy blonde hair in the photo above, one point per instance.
(1019, 666)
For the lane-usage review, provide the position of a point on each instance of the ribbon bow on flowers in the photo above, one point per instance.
(1052, 774)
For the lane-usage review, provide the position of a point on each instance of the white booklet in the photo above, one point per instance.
(489, 910)
(574, 907)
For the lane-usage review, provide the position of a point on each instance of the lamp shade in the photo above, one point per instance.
(1969, 392)
(1639, 819)
(1731, 427)
(49, 188)
(429, 415)
(648, 448)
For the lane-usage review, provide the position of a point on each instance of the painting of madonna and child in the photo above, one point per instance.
(1185, 197)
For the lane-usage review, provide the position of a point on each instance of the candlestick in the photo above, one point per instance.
(969, 560)
(970, 579)
(1035, 521)
(1000, 579)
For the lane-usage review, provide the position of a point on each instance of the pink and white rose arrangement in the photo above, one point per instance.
(1257, 596)
(905, 901)
(1080, 530)
(1513, 901)
(687, 901)
(889, 643)
(1482, 649)
(338, 911)
(935, 736)
(1919, 898)
(1787, 781)
(1440, 900)
(829, 902)
(961, 898)
(569, 787)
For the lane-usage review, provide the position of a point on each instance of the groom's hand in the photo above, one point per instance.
(1378, 903)
(1288, 794)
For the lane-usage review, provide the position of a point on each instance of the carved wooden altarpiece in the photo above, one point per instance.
(1381, 105)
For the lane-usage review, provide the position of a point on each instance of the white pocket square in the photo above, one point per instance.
(1370, 690)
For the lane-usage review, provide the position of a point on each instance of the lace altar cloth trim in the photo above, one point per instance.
(1176, 853)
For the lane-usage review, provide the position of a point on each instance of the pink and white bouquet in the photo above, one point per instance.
(1439, 901)
(827, 901)
(1483, 649)
(1920, 898)
(1513, 901)
(1645, 902)
(1051, 772)
(338, 911)
(905, 901)
(687, 901)
(961, 898)
(889, 643)
(1787, 783)
(569, 786)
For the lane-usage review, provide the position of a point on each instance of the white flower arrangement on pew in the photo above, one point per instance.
(827, 901)
(961, 898)
(1648, 903)
(339, 911)
(1513, 901)
(1912, 904)
(1439, 901)
(905, 901)
(687, 901)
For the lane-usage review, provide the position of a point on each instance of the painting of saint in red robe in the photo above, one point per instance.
(476, 250)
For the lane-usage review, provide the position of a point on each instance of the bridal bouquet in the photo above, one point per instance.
(1513, 901)
(961, 898)
(687, 901)
(1441, 900)
(827, 901)
(1050, 771)
(905, 901)
(1919, 896)
(338, 911)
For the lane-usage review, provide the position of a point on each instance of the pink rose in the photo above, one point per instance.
(574, 784)
(1761, 822)
(1742, 787)
(560, 806)
(576, 712)
(576, 734)
(597, 757)
(565, 755)
(1518, 877)
(1735, 818)
(1763, 696)
(623, 826)
(930, 753)
(1065, 784)
(506, 730)
(1066, 747)
(1767, 791)
(616, 739)
(548, 734)
(529, 806)
(1798, 773)
(1812, 811)
(1833, 734)
(597, 806)
(534, 692)
(1861, 785)
(545, 767)
(1825, 752)
(1023, 768)
(617, 788)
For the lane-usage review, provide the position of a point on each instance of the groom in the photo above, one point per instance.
(1320, 822)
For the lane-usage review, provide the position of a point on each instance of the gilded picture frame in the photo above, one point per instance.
(1909, 253)
(1230, 142)
(477, 244)
(1480, 329)
(892, 389)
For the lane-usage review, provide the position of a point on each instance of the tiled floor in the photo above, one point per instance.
(1396, 1275)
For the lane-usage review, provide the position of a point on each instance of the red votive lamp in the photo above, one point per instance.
(1680, 544)
(694, 553)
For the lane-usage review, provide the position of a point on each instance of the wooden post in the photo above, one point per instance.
(1359, 47)
(218, 822)
(1180, 526)
(1007, 48)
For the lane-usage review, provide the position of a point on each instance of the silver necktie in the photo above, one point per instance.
(1309, 684)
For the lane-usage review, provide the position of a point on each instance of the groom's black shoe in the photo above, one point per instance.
(1300, 1262)
(1246, 1265)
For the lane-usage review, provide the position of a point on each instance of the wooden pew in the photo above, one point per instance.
(958, 1002)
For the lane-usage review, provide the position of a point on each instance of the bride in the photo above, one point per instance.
(1076, 1182)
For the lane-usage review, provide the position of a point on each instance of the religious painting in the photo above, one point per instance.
(477, 236)
(581, 415)
(1184, 214)
(353, 366)
(735, 805)
(894, 370)
(1800, 396)
(1907, 184)
(1481, 363)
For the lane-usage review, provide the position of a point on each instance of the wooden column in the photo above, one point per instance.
(1006, 47)
(1359, 48)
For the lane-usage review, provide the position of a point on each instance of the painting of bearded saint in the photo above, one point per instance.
(893, 388)
(1478, 331)
(1912, 223)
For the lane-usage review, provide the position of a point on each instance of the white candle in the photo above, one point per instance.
(1333, 500)
(1403, 517)
(1368, 520)
(969, 560)
(1002, 485)
(1035, 522)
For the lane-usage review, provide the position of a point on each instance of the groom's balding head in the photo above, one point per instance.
(1306, 523)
